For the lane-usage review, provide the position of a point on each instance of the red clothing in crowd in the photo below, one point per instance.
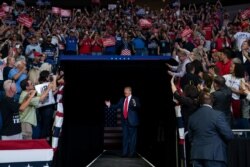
(208, 32)
(97, 47)
(85, 47)
(224, 68)
(221, 43)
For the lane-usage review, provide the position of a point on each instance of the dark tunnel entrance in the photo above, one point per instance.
(90, 81)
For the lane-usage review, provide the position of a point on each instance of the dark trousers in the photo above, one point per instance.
(208, 163)
(129, 139)
(46, 113)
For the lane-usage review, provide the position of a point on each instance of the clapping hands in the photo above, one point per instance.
(107, 103)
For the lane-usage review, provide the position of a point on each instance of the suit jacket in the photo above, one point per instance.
(222, 99)
(246, 63)
(133, 108)
(209, 133)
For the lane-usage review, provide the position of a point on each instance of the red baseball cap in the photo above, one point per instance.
(37, 54)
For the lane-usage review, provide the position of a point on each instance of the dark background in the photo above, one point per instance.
(84, 96)
(157, 4)
(151, 3)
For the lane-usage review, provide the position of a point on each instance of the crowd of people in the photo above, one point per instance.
(211, 47)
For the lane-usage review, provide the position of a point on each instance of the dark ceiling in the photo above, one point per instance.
(152, 3)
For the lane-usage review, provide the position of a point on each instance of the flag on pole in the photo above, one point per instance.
(57, 126)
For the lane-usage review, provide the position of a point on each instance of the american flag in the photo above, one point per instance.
(112, 129)
(245, 14)
(108, 41)
(126, 52)
(58, 118)
(187, 32)
(25, 20)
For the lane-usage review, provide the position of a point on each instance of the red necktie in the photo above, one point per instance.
(125, 110)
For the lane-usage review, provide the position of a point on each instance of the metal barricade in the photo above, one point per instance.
(244, 133)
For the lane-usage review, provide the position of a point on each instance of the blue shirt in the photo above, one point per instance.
(23, 76)
(138, 43)
(71, 44)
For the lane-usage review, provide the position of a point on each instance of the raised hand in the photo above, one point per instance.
(32, 93)
(107, 103)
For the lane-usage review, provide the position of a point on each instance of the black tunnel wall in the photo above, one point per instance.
(89, 83)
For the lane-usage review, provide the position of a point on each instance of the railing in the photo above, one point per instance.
(113, 58)
(238, 132)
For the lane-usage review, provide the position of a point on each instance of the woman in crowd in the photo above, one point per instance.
(235, 81)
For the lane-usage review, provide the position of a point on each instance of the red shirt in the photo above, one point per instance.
(208, 30)
(171, 35)
(219, 43)
(224, 68)
(85, 48)
(96, 47)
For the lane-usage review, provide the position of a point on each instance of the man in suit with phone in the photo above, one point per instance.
(130, 106)
(209, 134)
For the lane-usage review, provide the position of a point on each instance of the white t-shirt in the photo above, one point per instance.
(233, 82)
(240, 38)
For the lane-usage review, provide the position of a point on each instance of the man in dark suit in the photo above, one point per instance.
(209, 133)
(222, 97)
(130, 106)
(244, 55)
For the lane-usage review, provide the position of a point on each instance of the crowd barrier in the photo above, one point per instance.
(112, 58)
(21, 153)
